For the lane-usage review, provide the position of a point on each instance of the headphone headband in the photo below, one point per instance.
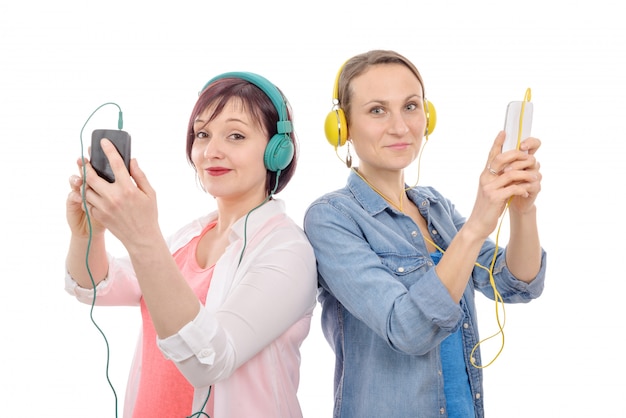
(270, 90)
(336, 85)
(280, 149)
(336, 126)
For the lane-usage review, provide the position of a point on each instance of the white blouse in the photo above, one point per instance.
(245, 340)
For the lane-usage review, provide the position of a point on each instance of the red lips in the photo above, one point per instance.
(217, 171)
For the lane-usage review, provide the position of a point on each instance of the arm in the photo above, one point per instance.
(517, 179)
(523, 252)
(523, 255)
(274, 289)
(120, 286)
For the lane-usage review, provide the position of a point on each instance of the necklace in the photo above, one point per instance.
(400, 208)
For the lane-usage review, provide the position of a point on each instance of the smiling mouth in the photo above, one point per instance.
(217, 171)
(401, 145)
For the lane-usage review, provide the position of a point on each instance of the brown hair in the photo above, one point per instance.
(261, 109)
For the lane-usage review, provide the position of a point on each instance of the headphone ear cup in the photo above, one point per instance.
(431, 117)
(278, 153)
(336, 128)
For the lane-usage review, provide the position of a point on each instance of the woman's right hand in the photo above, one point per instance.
(75, 208)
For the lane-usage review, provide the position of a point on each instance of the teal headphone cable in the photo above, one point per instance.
(88, 217)
(245, 228)
(120, 123)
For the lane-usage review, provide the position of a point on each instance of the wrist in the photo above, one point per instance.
(525, 211)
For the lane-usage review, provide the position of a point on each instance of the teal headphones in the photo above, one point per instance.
(280, 149)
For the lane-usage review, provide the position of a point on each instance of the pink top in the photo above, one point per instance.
(163, 391)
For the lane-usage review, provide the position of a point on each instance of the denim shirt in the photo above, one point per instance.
(384, 309)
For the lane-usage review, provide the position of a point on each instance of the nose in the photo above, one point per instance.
(212, 149)
(397, 124)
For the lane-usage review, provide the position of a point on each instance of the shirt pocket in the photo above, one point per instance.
(406, 268)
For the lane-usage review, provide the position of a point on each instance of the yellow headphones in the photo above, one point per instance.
(336, 126)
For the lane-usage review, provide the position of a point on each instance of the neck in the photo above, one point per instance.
(230, 211)
(395, 198)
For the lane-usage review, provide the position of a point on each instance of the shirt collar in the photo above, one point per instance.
(373, 203)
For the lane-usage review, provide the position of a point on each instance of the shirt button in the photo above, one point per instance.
(414, 233)
(401, 269)
(442, 411)
(478, 396)
(466, 325)
(430, 263)
(424, 203)
(204, 353)
(434, 231)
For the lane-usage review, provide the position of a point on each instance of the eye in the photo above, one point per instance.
(412, 106)
(378, 110)
(236, 136)
(201, 135)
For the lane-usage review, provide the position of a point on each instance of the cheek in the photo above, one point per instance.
(366, 133)
(197, 154)
(362, 129)
(418, 124)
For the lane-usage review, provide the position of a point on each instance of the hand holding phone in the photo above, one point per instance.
(517, 112)
(99, 161)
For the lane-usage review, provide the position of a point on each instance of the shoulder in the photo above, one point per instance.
(274, 222)
(278, 241)
(337, 199)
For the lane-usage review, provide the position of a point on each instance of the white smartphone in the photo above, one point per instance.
(512, 124)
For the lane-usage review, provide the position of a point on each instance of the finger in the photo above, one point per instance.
(519, 160)
(140, 178)
(492, 166)
(94, 186)
(530, 144)
(75, 197)
(88, 173)
(75, 181)
(496, 148)
(80, 162)
(115, 160)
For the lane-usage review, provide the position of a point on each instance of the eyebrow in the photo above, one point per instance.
(386, 102)
(203, 122)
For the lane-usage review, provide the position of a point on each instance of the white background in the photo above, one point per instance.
(59, 60)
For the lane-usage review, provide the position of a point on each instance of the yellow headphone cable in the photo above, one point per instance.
(497, 297)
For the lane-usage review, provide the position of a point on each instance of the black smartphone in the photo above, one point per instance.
(99, 161)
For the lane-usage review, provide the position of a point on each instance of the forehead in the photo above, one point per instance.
(381, 80)
(224, 107)
(233, 108)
